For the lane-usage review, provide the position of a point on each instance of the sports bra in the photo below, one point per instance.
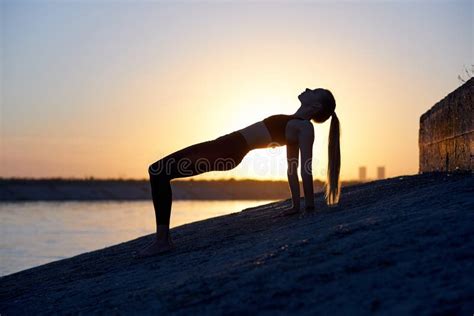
(276, 125)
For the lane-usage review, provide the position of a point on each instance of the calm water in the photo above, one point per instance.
(35, 233)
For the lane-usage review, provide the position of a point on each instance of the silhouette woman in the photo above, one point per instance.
(226, 152)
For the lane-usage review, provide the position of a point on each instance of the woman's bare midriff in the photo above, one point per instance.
(256, 135)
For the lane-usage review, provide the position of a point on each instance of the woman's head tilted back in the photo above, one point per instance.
(323, 105)
(326, 99)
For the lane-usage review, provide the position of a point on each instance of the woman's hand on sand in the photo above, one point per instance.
(288, 212)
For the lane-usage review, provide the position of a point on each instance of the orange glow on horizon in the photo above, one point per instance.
(153, 79)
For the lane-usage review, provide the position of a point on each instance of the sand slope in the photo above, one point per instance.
(397, 246)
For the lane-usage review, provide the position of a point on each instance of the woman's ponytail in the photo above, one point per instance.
(334, 163)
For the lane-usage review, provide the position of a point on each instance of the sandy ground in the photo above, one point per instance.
(398, 246)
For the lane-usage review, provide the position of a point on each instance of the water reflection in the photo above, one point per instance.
(35, 233)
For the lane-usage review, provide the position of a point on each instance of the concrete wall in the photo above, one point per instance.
(446, 135)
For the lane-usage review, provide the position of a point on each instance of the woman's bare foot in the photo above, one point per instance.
(156, 247)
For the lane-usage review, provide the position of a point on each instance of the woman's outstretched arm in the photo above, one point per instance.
(305, 141)
(292, 173)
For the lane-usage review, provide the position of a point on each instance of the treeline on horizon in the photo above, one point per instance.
(71, 179)
(85, 179)
(82, 189)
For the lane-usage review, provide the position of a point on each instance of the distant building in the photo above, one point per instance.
(381, 172)
(362, 173)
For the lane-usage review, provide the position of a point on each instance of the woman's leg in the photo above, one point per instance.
(179, 164)
(162, 199)
(223, 153)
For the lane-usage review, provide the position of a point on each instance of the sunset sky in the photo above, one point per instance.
(104, 88)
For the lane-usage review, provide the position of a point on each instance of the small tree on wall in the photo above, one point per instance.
(468, 74)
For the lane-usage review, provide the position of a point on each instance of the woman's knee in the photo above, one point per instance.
(158, 169)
